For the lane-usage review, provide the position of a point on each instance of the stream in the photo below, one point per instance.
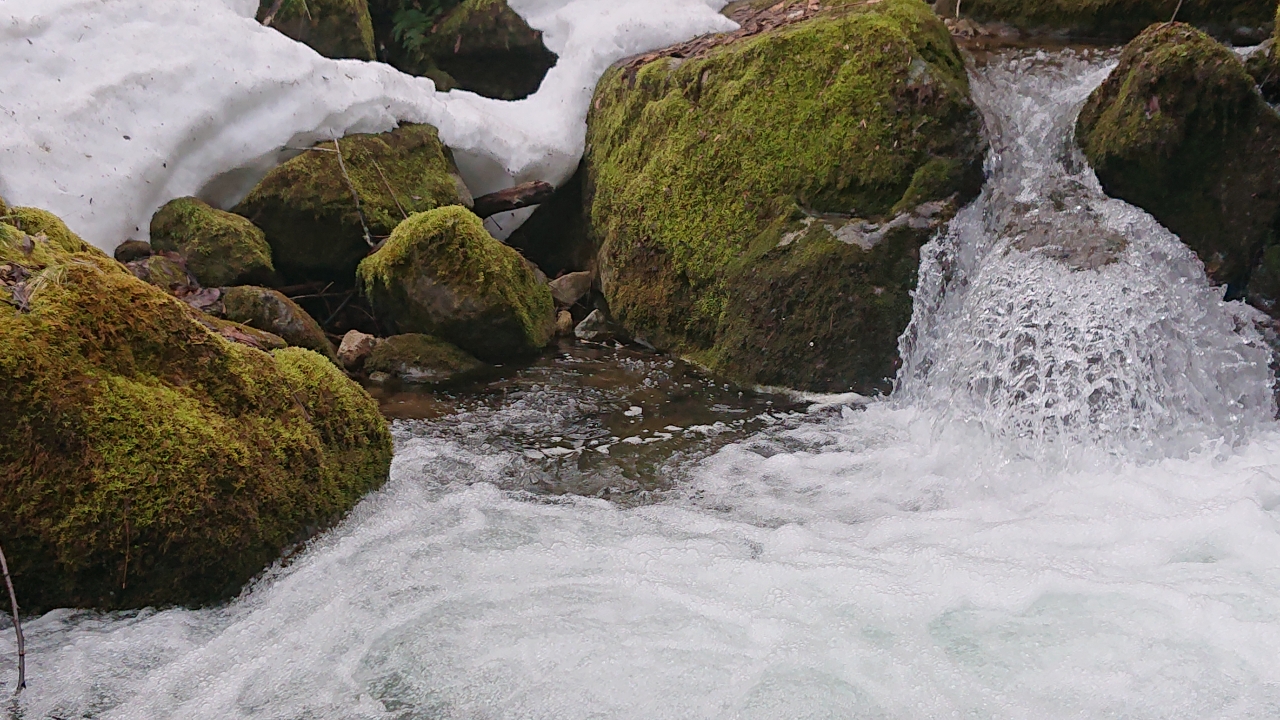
(1069, 508)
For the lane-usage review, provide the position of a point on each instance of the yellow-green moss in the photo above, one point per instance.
(421, 359)
(146, 460)
(220, 248)
(35, 221)
(306, 209)
(333, 28)
(1123, 18)
(1179, 130)
(442, 274)
(696, 166)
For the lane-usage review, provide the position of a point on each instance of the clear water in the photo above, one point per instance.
(1070, 509)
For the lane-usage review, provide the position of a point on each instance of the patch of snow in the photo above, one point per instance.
(109, 109)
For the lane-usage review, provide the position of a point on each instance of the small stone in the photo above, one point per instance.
(569, 289)
(164, 270)
(378, 377)
(270, 311)
(593, 328)
(130, 250)
(564, 323)
(418, 358)
(355, 347)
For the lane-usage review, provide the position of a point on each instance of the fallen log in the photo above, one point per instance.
(520, 196)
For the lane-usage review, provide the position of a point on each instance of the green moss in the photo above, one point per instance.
(696, 165)
(270, 311)
(421, 359)
(306, 208)
(1122, 18)
(146, 460)
(164, 271)
(333, 28)
(485, 47)
(220, 248)
(442, 274)
(35, 221)
(1179, 130)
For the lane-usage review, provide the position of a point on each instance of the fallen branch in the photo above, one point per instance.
(271, 14)
(394, 199)
(17, 626)
(520, 196)
(1176, 10)
(355, 195)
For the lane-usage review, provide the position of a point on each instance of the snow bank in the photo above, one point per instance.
(110, 108)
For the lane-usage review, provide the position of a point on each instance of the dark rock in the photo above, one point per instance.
(1179, 130)
(309, 215)
(333, 28)
(130, 250)
(272, 312)
(442, 274)
(556, 237)
(768, 255)
(1264, 66)
(417, 358)
(487, 48)
(1229, 19)
(219, 248)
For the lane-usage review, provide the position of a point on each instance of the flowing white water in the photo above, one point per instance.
(917, 559)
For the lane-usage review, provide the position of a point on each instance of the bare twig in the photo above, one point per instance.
(271, 14)
(1175, 13)
(340, 307)
(17, 626)
(354, 195)
(394, 199)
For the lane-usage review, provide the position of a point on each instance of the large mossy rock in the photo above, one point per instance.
(760, 202)
(485, 47)
(441, 273)
(1179, 130)
(1116, 18)
(268, 310)
(220, 248)
(333, 28)
(309, 215)
(146, 460)
(417, 358)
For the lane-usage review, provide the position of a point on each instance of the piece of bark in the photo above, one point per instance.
(520, 196)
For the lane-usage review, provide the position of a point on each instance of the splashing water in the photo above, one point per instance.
(838, 563)
(1052, 313)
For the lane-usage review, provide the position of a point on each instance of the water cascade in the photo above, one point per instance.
(919, 558)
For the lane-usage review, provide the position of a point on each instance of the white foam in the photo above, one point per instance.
(110, 109)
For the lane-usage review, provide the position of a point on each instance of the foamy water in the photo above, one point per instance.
(920, 558)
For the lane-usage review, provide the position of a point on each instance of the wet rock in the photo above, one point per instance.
(487, 48)
(355, 349)
(272, 312)
(556, 237)
(770, 256)
(333, 28)
(593, 328)
(165, 270)
(569, 289)
(1179, 130)
(564, 323)
(130, 250)
(417, 358)
(1238, 19)
(442, 274)
(1264, 65)
(308, 212)
(148, 460)
(220, 248)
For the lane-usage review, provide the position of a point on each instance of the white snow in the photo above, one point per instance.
(110, 108)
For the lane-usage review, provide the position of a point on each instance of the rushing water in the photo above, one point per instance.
(1070, 509)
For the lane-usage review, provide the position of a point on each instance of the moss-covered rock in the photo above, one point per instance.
(272, 312)
(145, 459)
(34, 221)
(417, 358)
(1264, 65)
(130, 250)
(220, 248)
(760, 204)
(164, 270)
(442, 274)
(310, 217)
(1117, 18)
(333, 28)
(485, 47)
(1179, 130)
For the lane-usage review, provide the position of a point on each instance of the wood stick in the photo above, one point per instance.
(394, 199)
(1175, 13)
(17, 626)
(520, 196)
(354, 195)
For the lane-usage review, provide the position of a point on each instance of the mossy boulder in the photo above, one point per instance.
(1179, 130)
(1116, 18)
(333, 28)
(220, 248)
(310, 217)
(759, 203)
(270, 311)
(442, 274)
(485, 47)
(164, 270)
(145, 459)
(417, 358)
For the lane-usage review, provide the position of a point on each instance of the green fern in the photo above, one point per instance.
(414, 20)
